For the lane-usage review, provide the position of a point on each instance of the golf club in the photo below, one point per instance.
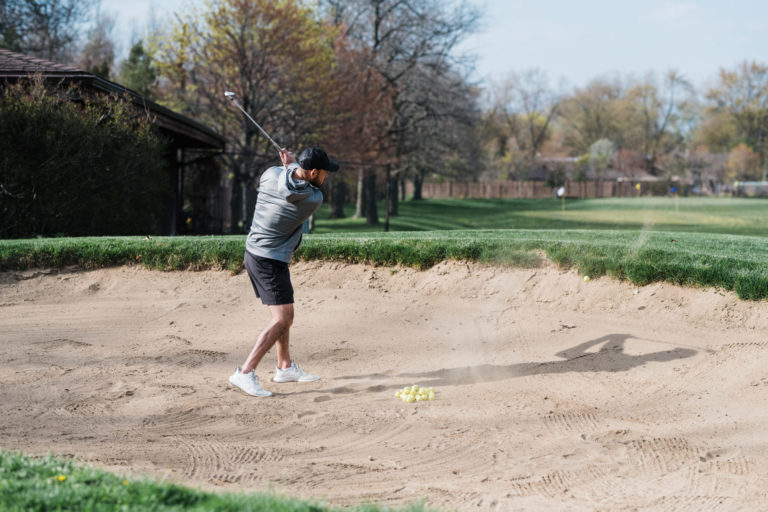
(231, 96)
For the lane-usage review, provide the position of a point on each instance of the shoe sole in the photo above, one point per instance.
(294, 380)
(247, 393)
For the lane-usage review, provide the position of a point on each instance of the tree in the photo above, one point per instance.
(628, 162)
(716, 130)
(49, 29)
(98, 54)
(137, 72)
(601, 155)
(743, 93)
(636, 115)
(410, 44)
(743, 163)
(438, 116)
(363, 112)
(656, 113)
(10, 25)
(61, 171)
(593, 113)
(525, 108)
(338, 197)
(707, 169)
(275, 56)
(369, 189)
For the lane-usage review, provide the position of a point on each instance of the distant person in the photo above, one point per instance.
(288, 195)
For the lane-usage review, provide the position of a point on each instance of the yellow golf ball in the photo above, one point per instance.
(586, 279)
(415, 393)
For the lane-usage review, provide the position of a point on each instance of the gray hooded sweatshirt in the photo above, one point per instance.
(283, 204)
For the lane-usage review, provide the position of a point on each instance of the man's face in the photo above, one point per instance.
(320, 176)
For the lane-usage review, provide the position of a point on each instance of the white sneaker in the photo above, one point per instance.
(248, 382)
(293, 374)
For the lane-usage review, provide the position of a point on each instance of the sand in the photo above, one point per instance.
(552, 393)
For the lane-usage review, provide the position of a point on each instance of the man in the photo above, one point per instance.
(288, 195)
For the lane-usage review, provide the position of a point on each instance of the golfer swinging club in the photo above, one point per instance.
(288, 195)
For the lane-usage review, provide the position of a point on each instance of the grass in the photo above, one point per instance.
(720, 242)
(160, 253)
(730, 262)
(715, 242)
(49, 483)
(733, 216)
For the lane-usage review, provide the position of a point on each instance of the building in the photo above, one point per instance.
(185, 136)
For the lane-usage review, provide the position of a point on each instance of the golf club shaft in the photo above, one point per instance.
(257, 124)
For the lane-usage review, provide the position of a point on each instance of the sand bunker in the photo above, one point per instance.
(552, 393)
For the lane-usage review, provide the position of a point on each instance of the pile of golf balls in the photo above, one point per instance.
(414, 393)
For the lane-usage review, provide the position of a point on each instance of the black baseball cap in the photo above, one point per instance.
(316, 158)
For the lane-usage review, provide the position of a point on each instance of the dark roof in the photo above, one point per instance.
(18, 64)
(185, 132)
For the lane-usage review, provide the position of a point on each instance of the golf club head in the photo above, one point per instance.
(231, 96)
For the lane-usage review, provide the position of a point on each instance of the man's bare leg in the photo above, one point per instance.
(283, 351)
(277, 329)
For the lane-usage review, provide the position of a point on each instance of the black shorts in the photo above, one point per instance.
(271, 279)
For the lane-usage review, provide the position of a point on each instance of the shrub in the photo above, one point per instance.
(75, 164)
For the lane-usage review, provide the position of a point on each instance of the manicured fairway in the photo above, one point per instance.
(735, 216)
(720, 242)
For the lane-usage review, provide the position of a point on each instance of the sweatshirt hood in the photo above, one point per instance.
(292, 188)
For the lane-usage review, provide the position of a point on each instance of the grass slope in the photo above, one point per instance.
(720, 242)
(730, 262)
(738, 263)
(48, 483)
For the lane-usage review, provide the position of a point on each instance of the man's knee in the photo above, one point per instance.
(284, 323)
(282, 316)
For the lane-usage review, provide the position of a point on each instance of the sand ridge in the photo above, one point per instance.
(552, 393)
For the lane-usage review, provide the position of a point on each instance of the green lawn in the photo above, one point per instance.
(731, 262)
(734, 216)
(720, 242)
(44, 484)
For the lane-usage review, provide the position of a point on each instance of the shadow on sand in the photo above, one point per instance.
(609, 358)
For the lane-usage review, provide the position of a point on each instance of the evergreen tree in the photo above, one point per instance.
(137, 71)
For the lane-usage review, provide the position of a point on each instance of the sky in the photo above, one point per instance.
(572, 41)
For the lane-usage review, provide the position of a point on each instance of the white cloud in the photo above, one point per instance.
(676, 11)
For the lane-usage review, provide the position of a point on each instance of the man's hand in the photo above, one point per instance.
(286, 157)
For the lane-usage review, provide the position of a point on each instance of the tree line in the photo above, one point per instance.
(661, 126)
(380, 82)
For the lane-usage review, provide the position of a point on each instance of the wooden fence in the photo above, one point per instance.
(509, 189)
